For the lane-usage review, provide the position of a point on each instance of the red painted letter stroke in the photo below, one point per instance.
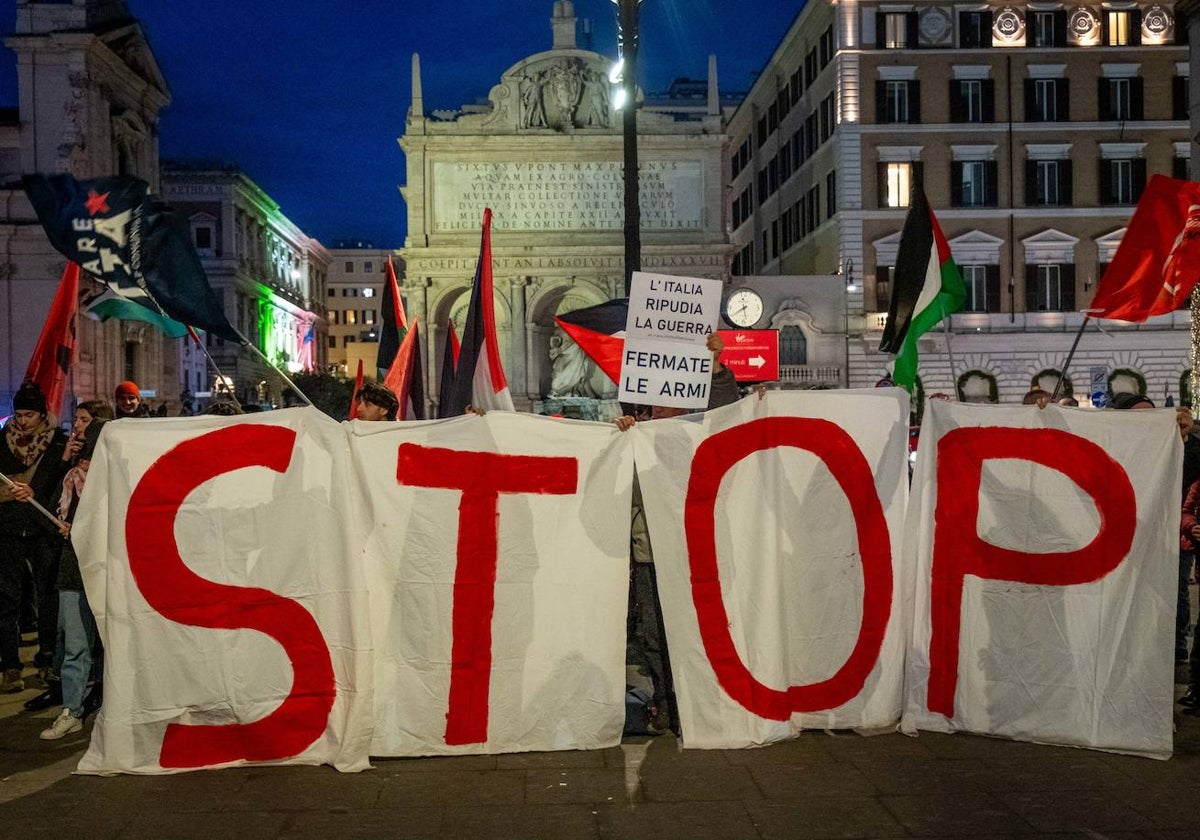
(181, 595)
(482, 477)
(958, 551)
(849, 467)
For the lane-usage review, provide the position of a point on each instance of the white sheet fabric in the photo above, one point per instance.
(789, 564)
(282, 530)
(558, 630)
(1086, 664)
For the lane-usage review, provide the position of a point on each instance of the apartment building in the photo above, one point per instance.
(1033, 128)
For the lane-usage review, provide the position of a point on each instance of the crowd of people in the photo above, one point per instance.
(39, 572)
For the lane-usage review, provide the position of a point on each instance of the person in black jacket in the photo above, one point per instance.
(31, 456)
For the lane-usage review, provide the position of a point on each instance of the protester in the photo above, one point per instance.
(78, 625)
(32, 457)
(1125, 401)
(223, 407)
(646, 638)
(128, 399)
(1191, 473)
(376, 402)
(1036, 396)
(85, 413)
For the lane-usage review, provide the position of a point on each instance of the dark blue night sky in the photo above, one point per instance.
(308, 97)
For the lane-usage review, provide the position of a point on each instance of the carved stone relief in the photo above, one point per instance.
(565, 94)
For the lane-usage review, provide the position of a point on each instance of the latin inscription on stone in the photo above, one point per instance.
(569, 196)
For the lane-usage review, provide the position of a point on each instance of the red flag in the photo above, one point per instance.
(1158, 261)
(354, 397)
(55, 350)
(404, 377)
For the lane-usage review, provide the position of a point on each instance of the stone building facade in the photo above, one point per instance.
(269, 275)
(89, 94)
(354, 299)
(1033, 127)
(545, 153)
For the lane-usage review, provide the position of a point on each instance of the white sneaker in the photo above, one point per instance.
(63, 725)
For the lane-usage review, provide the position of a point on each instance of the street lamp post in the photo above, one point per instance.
(627, 40)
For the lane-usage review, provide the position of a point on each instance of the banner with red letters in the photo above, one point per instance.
(498, 560)
(220, 558)
(1044, 545)
(279, 588)
(776, 528)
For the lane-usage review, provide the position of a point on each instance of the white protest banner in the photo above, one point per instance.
(499, 568)
(218, 560)
(776, 528)
(1045, 545)
(665, 361)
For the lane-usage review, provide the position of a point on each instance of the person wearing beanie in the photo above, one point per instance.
(128, 400)
(32, 457)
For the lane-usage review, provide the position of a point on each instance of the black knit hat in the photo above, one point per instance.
(1126, 400)
(29, 397)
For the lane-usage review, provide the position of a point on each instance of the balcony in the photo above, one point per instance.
(811, 376)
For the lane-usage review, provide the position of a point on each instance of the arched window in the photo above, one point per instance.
(793, 349)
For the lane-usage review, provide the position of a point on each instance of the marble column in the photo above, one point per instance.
(417, 295)
(518, 351)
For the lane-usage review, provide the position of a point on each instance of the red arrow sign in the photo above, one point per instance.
(752, 355)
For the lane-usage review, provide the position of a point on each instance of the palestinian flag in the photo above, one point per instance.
(926, 288)
(449, 363)
(479, 378)
(107, 305)
(395, 324)
(600, 332)
(405, 378)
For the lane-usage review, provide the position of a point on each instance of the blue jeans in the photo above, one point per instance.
(79, 638)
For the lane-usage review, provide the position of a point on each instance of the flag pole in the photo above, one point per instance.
(1062, 374)
(282, 375)
(8, 482)
(950, 351)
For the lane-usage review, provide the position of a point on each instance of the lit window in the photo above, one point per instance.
(897, 183)
(1120, 25)
(351, 316)
(368, 292)
(368, 316)
(895, 30)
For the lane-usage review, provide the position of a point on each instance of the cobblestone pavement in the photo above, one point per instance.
(823, 785)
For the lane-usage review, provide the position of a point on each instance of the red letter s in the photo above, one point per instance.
(179, 594)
